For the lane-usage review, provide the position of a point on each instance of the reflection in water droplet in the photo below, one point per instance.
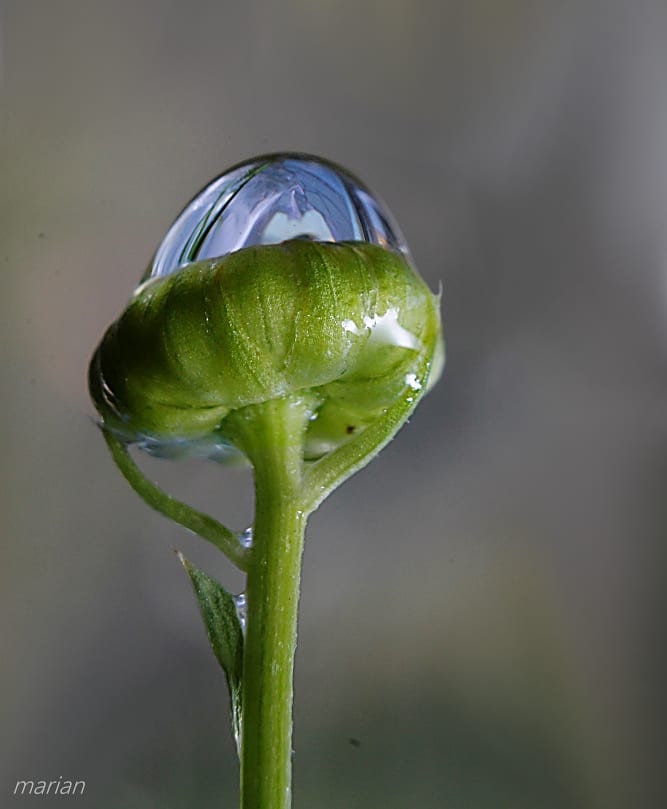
(271, 199)
(240, 604)
(245, 537)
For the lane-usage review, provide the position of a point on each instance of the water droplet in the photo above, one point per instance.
(245, 537)
(271, 199)
(211, 447)
(240, 604)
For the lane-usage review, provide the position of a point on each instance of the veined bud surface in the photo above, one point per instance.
(284, 276)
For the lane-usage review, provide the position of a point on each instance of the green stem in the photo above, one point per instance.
(272, 435)
(181, 513)
(323, 476)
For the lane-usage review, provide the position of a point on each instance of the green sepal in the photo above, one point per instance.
(346, 322)
(225, 635)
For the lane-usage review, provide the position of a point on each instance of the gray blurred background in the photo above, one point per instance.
(482, 619)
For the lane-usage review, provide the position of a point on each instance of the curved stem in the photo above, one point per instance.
(323, 476)
(201, 524)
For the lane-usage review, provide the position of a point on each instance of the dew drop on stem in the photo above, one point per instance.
(245, 538)
(240, 604)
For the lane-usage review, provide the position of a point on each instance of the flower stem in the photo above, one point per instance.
(272, 599)
(271, 434)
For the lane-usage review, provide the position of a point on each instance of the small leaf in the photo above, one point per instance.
(225, 634)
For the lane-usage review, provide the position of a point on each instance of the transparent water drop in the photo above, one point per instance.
(240, 604)
(212, 447)
(245, 537)
(271, 199)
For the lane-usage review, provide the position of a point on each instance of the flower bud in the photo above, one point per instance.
(349, 324)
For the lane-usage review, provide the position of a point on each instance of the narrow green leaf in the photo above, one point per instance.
(225, 634)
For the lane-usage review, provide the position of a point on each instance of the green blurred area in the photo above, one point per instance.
(482, 622)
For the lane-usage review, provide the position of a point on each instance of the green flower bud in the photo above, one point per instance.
(350, 325)
(280, 319)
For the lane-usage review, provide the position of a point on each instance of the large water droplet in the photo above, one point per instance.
(271, 199)
(245, 537)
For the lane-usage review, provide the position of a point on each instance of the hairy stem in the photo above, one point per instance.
(272, 436)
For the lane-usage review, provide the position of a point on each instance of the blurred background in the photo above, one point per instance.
(483, 609)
